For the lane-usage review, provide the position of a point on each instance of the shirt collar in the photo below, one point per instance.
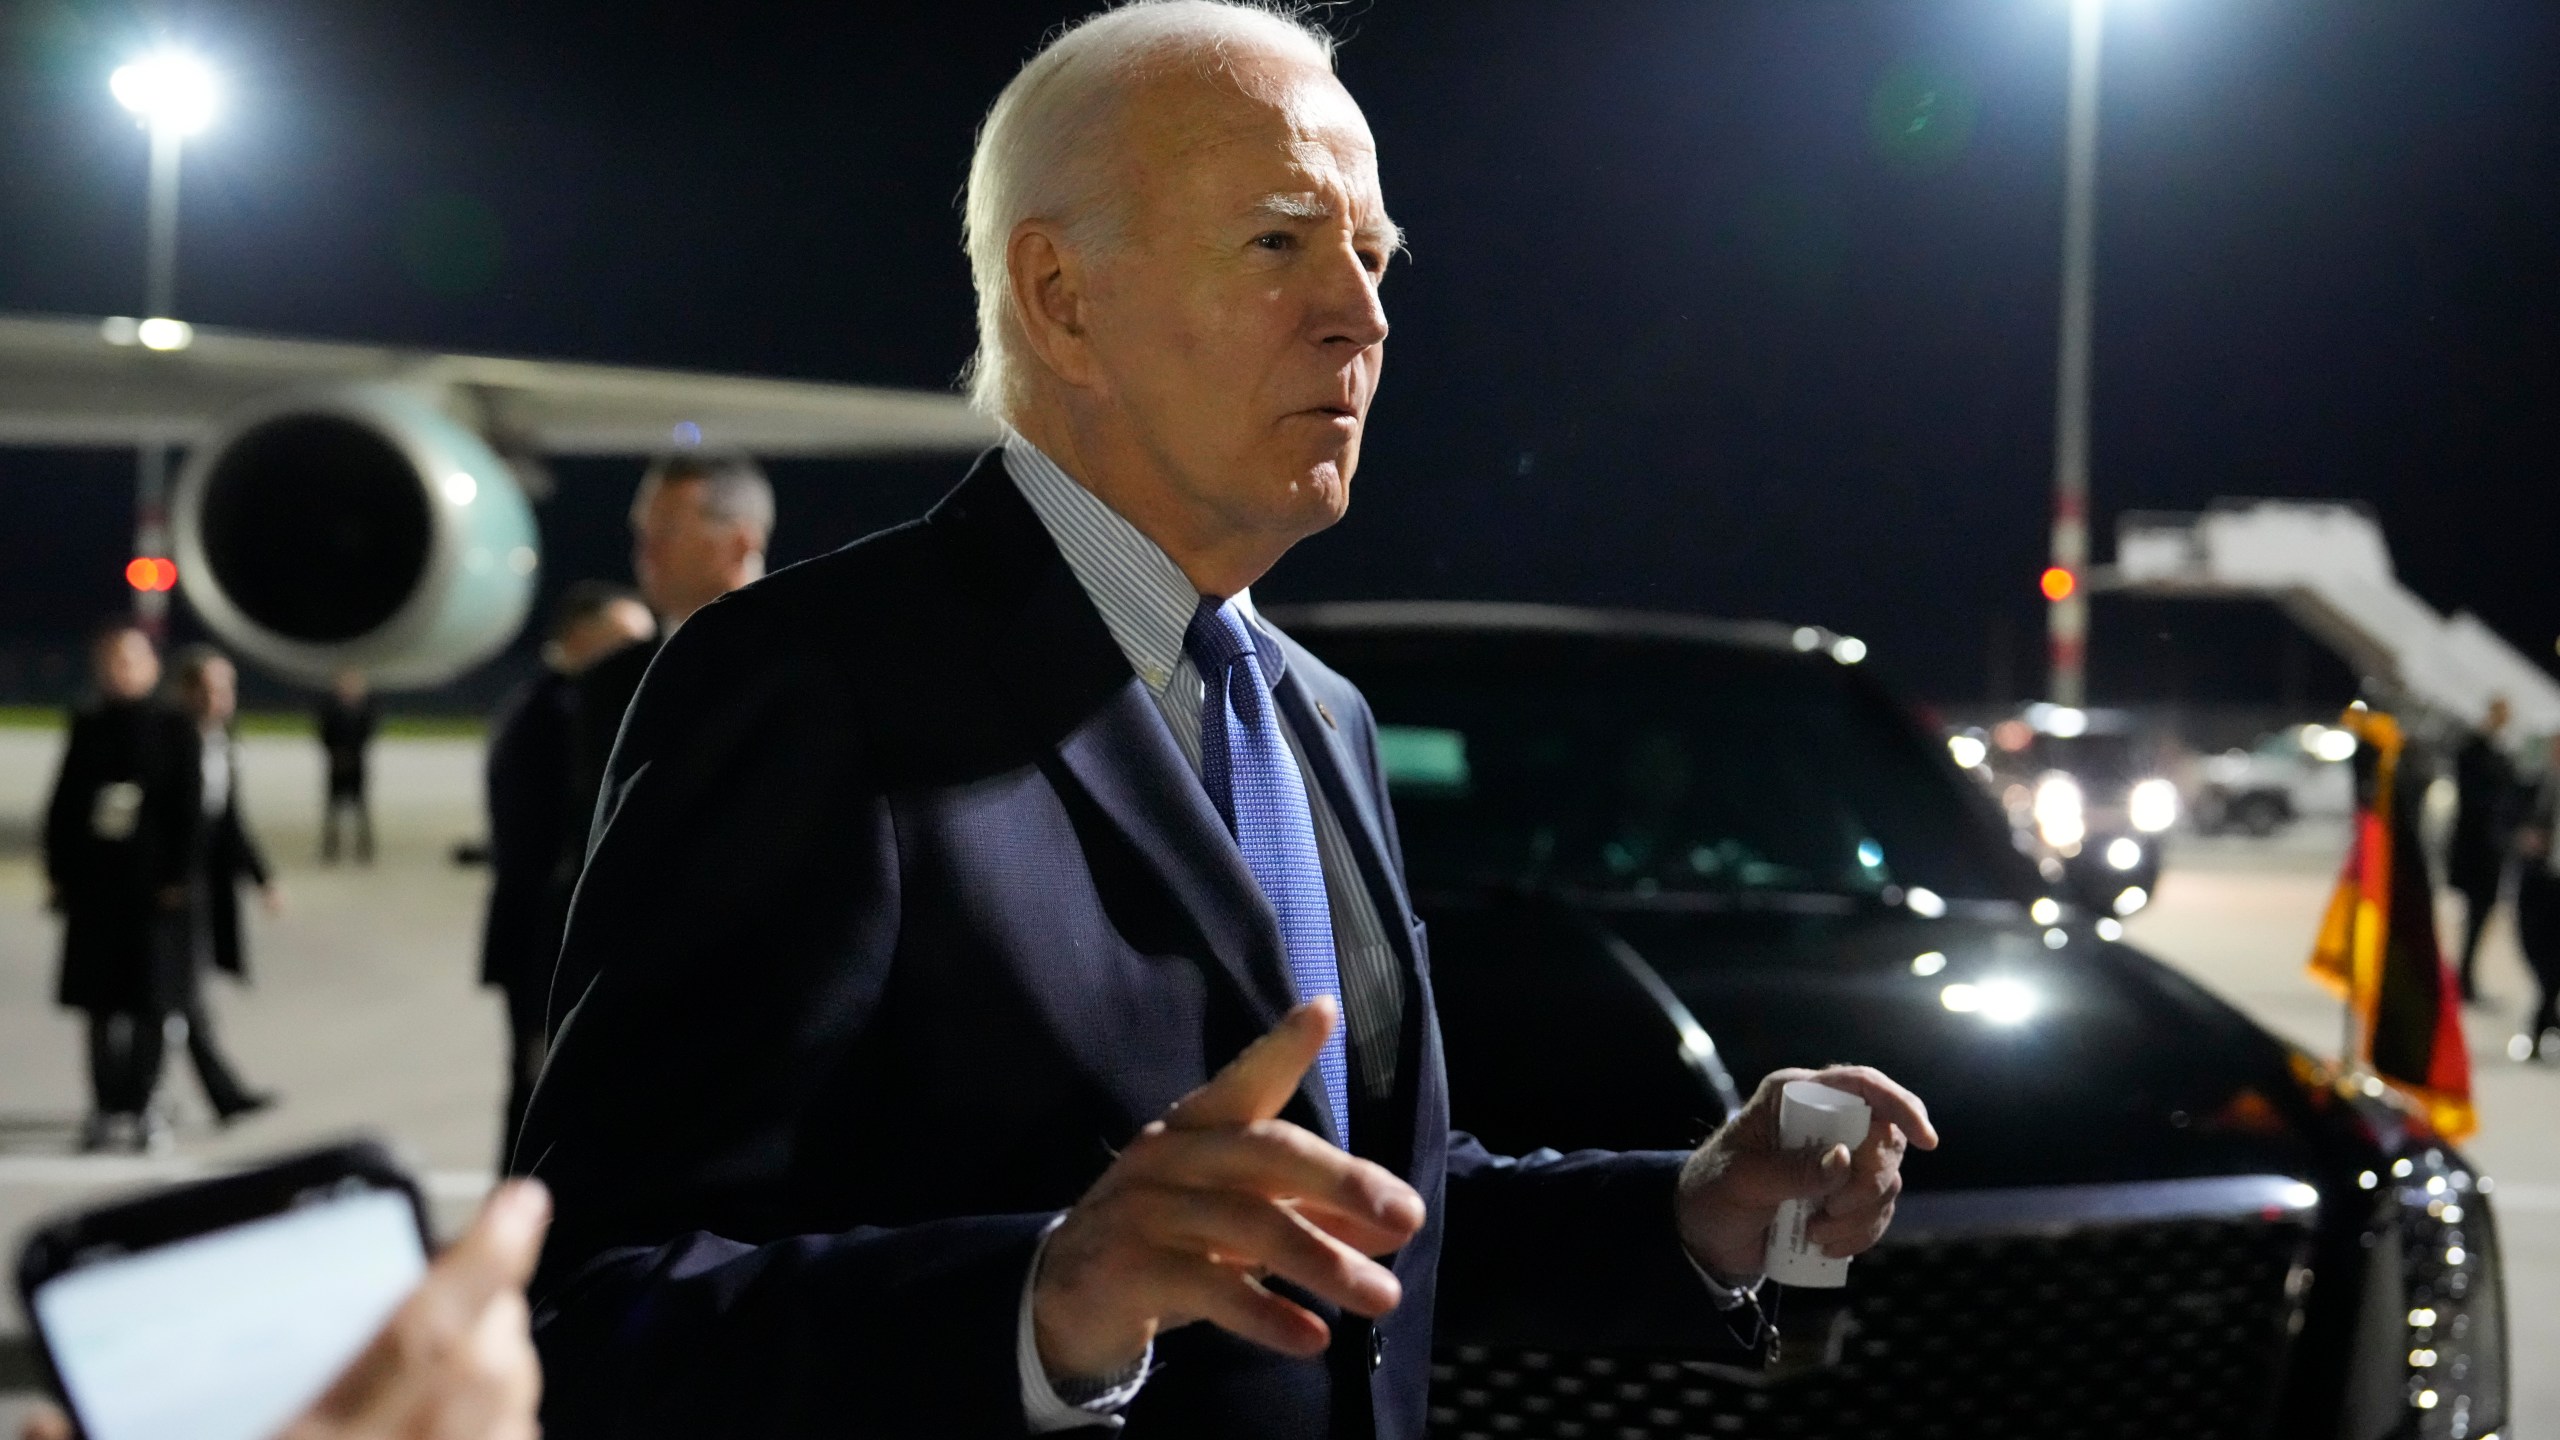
(1145, 599)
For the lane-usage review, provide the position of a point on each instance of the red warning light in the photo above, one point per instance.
(2058, 583)
(150, 573)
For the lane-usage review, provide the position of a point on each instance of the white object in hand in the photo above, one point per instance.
(1816, 1117)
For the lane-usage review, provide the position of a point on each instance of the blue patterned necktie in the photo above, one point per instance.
(1253, 779)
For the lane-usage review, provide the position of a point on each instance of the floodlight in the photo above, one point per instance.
(162, 333)
(170, 90)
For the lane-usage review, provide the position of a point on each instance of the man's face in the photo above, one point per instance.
(1237, 327)
(684, 558)
(128, 668)
(215, 693)
(619, 624)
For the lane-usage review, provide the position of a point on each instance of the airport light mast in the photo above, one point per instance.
(174, 96)
(2064, 582)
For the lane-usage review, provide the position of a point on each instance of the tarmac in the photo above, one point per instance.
(365, 1016)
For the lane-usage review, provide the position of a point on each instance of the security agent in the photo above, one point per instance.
(939, 877)
(699, 527)
(347, 719)
(529, 768)
(119, 846)
(224, 852)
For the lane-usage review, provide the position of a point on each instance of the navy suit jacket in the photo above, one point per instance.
(903, 913)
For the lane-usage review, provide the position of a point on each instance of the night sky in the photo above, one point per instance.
(1695, 317)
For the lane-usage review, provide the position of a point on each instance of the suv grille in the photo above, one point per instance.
(2143, 1328)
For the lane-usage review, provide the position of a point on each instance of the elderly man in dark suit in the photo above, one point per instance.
(973, 909)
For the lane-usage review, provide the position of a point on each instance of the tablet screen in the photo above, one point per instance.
(231, 1334)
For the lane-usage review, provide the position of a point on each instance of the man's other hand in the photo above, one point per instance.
(1732, 1186)
(1207, 1202)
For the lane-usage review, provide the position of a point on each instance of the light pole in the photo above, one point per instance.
(2064, 584)
(173, 95)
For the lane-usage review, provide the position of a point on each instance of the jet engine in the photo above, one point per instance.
(361, 527)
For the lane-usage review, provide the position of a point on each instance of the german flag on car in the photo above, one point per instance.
(2377, 948)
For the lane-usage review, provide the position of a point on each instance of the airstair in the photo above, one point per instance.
(2324, 564)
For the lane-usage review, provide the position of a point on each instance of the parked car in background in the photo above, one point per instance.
(2289, 775)
(1657, 857)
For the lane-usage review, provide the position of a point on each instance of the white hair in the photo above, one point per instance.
(1044, 152)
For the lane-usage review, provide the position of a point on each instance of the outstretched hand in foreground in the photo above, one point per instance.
(454, 1362)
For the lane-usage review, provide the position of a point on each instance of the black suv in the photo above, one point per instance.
(1662, 856)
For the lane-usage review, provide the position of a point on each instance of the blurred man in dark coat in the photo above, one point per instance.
(2538, 911)
(118, 841)
(347, 720)
(699, 527)
(2483, 833)
(530, 745)
(223, 854)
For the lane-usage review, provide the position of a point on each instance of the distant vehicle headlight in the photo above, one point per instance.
(2060, 813)
(1967, 751)
(2153, 807)
(2124, 853)
(2001, 1001)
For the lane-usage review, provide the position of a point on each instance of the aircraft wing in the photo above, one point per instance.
(69, 381)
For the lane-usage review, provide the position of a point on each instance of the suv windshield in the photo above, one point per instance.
(2096, 761)
(1648, 766)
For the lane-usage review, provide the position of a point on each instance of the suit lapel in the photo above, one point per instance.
(1058, 675)
(1328, 753)
(1335, 769)
(1127, 765)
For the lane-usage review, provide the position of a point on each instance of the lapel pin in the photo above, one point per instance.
(1325, 713)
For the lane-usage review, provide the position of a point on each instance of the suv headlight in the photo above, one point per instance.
(2153, 806)
(2060, 814)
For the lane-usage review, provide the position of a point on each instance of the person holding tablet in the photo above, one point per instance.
(455, 1359)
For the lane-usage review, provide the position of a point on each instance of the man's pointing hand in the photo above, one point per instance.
(1206, 1202)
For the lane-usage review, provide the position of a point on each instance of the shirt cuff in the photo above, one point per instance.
(1724, 1293)
(1044, 1410)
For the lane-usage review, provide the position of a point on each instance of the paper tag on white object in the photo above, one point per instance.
(1811, 1116)
(117, 812)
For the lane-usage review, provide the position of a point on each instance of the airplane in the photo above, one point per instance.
(349, 506)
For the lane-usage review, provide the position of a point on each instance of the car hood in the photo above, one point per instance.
(2069, 1063)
